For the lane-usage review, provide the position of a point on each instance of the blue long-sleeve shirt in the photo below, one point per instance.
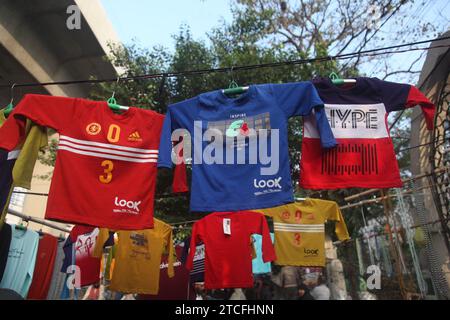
(251, 130)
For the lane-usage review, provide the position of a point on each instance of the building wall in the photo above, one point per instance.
(434, 76)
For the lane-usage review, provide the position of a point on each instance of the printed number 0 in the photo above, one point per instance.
(113, 133)
(107, 177)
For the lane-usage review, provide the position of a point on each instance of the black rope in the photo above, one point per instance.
(371, 52)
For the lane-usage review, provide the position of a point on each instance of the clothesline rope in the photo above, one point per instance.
(171, 74)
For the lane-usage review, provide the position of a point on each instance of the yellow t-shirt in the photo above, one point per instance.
(300, 231)
(138, 258)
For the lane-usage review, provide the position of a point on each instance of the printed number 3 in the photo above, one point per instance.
(297, 238)
(107, 176)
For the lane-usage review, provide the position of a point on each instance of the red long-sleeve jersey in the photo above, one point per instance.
(228, 251)
(105, 172)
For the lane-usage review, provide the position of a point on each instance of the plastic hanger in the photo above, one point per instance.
(21, 226)
(233, 88)
(9, 107)
(112, 103)
(61, 238)
(336, 80)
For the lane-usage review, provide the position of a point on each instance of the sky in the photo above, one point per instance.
(152, 22)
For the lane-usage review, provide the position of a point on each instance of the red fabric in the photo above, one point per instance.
(101, 154)
(354, 163)
(176, 288)
(84, 239)
(179, 184)
(228, 260)
(415, 97)
(43, 270)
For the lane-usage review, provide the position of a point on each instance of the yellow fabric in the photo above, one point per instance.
(35, 139)
(138, 258)
(300, 231)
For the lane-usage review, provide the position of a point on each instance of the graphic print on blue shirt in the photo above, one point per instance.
(239, 178)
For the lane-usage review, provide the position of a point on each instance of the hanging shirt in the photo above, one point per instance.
(365, 156)
(58, 277)
(138, 258)
(223, 130)
(43, 269)
(197, 274)
(81, 241)
(5, 241)
(258, 265)
(100, 155)
(300, 231)
(176, 288)
(16, 166)
(21, 260)
(228, 248)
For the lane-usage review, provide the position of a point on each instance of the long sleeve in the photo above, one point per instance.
(103, 236)
(341, 227)
(268, 251)
(171, 252)
(327, 139)
(195, 238)
(331, 211)
(399, 96)
(300, 99)
(47, 111)
(179, 184)
(165, 144)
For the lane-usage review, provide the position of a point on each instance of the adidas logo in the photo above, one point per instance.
(135, 136)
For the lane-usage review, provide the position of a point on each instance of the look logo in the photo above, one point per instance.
(93, 128)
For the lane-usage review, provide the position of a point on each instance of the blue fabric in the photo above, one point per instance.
(232, 187)
(197, 273)
(21, 260)
(258, 265)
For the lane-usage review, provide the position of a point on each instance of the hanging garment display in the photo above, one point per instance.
(300, 231)
(100, 154)
(138, 258)
(223, 130)
(228, 248)
(5, 241)
(176, 288)
(16, 166)
(365, 156)
(21, 261)
(197, 274)
(58, 277)
(78, 250)
(258, 265)
(43, 269)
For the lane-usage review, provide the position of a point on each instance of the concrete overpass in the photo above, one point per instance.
(37, 46)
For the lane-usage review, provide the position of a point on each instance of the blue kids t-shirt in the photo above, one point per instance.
(258, 265)
(21, 260)
(240, 157)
